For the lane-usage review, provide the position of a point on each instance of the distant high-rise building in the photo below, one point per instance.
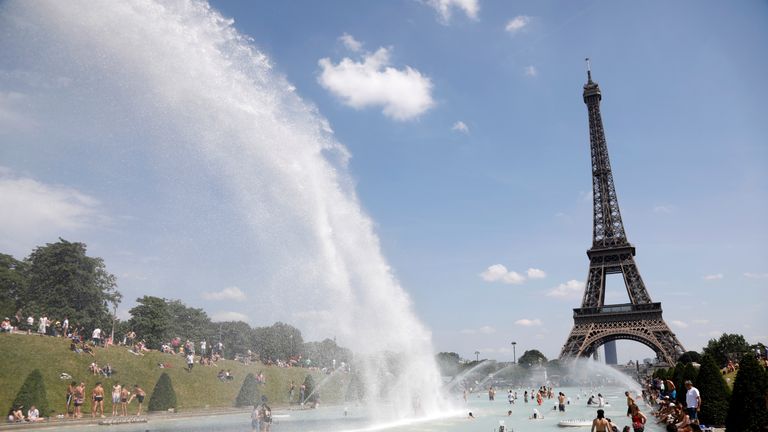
(610, 353)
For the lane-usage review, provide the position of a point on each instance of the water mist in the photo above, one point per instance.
(173, 88)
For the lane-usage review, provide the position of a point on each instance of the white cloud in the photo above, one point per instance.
(534, 273)
(35, 212)
(679, 323)
(229, 316)
(700, 321)
(715, 333)
(531, 71)
(229, 293)
(351, 43)
(404, 94)
(499, 273)
(717, 276)
(444, 8)
(460, 126)
(525, 322)
(663, 209)
(517, 23)
(570, 289)
(756, 275)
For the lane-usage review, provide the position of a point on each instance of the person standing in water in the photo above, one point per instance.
(600, 423)
(561, 401)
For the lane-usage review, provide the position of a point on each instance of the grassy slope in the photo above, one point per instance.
(20, 354)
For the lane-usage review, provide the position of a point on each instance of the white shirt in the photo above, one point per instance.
(33, 413)
(691, 397)
(96, 334)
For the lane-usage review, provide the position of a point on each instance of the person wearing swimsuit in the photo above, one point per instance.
(97, 402)
(601, 424)
(638, 419)
(116, 389)
(124, 394)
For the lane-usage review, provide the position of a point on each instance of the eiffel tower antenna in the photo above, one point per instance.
(589, 70)
(596, 323)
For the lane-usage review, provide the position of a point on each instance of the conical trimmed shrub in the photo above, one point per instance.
(163, 396)
(714, 392)
(32, 392)
(249, 392)
(747, 411)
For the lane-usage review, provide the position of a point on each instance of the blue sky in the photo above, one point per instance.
(469, 149)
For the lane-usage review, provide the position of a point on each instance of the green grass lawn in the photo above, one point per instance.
(20, 354)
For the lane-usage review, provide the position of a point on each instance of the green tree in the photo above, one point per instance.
(690, 357)
(32, 392)
(187, 322)
(64, 281)
(727, 347)
(236, 337)
(714, 393)
(683, 373)
(748, 411)
(324, 353)
(532, 358)
(249, 392)
(150, 320)
(279, 341)
(13, 285)
(449, 363)
(163, 396)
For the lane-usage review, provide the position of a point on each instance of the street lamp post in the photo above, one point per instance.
(477, 356)
(514, 353)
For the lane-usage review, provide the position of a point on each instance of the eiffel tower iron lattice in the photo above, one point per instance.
(596, 323)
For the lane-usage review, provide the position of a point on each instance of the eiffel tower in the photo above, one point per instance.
(596, 323)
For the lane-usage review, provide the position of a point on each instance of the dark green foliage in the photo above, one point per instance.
(158, 320)
(687, 373)
(747, 411)
(249, 392)
(309, 384)
(64, 281)
(727, 347)
(13, 286)
(323, 353)
(449, 363)
(714, 393)
(163, 396)
(282, 341)
(532, 358)
(690, 357)
(32, 392)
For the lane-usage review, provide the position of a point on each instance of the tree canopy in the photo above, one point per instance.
(727, 347)
(59, 280)
(532, 358)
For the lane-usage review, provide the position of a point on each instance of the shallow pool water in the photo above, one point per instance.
(488, 415)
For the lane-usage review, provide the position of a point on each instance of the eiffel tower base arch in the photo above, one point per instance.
(641, 323)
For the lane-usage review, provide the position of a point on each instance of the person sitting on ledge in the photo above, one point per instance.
(33, 414)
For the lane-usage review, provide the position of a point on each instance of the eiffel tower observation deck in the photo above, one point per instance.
(596, 323)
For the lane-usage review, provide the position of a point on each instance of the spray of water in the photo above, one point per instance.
(177, 84)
